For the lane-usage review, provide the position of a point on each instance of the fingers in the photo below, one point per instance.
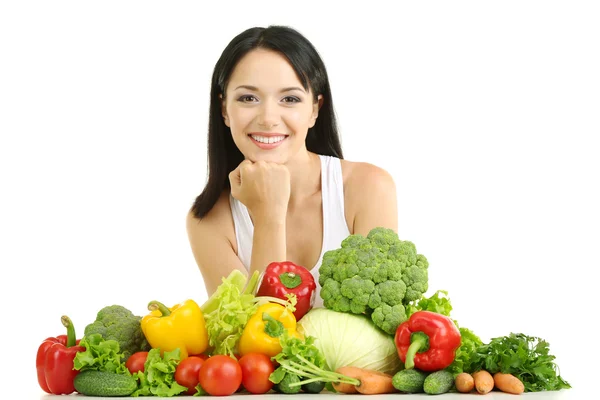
(236, 176)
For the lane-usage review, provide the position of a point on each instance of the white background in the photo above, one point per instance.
(487, 115)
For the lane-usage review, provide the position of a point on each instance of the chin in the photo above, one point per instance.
(274, 158)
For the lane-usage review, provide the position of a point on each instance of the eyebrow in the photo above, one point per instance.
(254, 88)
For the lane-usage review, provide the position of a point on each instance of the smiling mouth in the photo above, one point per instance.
(268, 139)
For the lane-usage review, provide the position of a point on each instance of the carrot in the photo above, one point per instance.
(484, 381)
(508, 383)
(371, 382)
(346, 387)
(464, 382)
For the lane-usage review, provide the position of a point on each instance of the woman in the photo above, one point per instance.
(278, 188)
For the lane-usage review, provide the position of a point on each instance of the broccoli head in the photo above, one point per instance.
(118, 323)
(376, 275)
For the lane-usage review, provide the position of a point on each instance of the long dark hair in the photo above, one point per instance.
(223, 154)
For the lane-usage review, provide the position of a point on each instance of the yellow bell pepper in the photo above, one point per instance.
(263, 330)
(181, 326)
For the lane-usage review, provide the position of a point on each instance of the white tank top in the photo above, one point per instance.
(335, 228)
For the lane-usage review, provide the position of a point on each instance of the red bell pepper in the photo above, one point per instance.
(281, 278)
(427, 341)
(54, 361)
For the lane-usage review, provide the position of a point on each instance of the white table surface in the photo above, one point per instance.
(568, 394)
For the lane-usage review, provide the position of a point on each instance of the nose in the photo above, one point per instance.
(268, 115)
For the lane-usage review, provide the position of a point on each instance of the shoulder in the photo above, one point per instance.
(369, 197)
(366, 179)
(217, 222)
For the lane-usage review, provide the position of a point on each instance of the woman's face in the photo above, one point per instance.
(267, 109)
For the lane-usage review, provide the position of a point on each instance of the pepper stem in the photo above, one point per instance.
(290, 280)
(273, 327)
(419, 342)
(67, 323)
(157, 305)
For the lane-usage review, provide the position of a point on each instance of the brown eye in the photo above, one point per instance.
(291, 99)
(247, 98)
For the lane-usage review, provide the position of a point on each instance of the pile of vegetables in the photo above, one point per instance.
(377, 333)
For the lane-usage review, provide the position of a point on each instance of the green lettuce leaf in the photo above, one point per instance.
(227, 312)
(100, 355)
(158, 377)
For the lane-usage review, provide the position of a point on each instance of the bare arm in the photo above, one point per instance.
(215, 254)
(268, 243)
(212, 251)
(374, 193)
(264, 188)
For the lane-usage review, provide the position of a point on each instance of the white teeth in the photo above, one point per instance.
(268, 139)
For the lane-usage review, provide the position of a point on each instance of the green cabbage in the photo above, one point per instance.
(350, 340)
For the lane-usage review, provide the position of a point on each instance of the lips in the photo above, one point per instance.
(267, 141)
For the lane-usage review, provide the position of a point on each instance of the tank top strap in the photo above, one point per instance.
(244, 230)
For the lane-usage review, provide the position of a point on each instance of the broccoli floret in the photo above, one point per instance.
(387, 317)
(118, 323)
(376, 275)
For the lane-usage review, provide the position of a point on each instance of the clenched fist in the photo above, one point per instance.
(263, 187)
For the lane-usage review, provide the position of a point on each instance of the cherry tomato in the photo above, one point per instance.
(136, 361)
(220, 375)
(256, 369)
(186, 373)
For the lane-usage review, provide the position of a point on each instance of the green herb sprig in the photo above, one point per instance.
(526, 357)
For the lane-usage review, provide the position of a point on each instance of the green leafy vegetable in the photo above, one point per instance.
(463, 360)
(350, 340)
(301, 362)
(293, 348)
(526, 357)
(158, 377)
(100, 355)
(439, 302)
(228, 310)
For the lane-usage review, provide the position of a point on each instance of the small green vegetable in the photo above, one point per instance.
(284, 385)
(438, 382)
(118, 323)
(104, 384)
(409, 380)
(313, 387)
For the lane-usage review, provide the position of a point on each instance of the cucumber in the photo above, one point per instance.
(313, 387)
(438, 382)
(409, 380)
(283, 386)
(104, 384)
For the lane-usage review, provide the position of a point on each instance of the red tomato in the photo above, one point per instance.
(220, 375)
(186, 373)
(136, 361)
(256, 369)
(202, 356)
